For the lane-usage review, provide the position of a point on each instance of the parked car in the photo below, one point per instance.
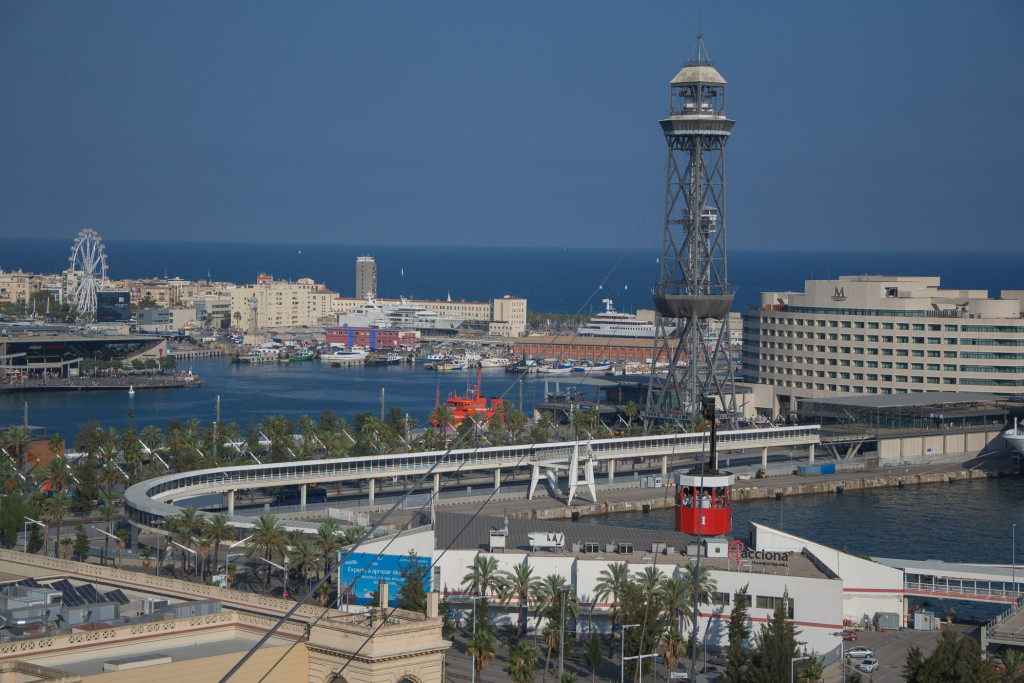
(849, 635)
(868, 665)
(860, 652)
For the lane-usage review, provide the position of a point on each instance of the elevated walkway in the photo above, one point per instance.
(959, 581)
(148, 502)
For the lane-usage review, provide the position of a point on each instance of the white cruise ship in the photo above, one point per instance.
(402, 315)
(611, 323)
(1015, 437)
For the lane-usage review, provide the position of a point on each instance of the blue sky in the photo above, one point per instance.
(859, 125)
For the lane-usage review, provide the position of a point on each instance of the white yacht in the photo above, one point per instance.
(611, 323)
(1015, 437)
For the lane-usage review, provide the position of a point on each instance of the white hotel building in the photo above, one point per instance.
(884, 335)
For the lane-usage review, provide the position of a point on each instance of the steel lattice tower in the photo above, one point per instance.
(693, 297)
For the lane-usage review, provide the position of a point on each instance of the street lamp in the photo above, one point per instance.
(561, 632)
(622, 651)
(792, 666)
(1013, 556)
(24, 534)
(472, 661)
(842, 653)
(284, 569)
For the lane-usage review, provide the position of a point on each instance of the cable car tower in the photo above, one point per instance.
(693, 297)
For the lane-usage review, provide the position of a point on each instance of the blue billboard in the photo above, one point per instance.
(385, 568)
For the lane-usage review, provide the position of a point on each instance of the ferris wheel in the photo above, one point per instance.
(87, 271)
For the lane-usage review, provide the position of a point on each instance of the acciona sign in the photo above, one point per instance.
(740, 553)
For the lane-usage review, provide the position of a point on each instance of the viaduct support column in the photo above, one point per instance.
(437, 484)
(497, 479)
(231, 502)
(764, 458)
(810, 454)
(611, 471)
(302, 496)
(373, 483)
(664, 465)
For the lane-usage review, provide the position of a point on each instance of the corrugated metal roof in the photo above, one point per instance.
(703, 73)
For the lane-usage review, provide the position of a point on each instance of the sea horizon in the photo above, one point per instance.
(552, 279)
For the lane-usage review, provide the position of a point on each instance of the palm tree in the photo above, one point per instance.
(672, 648)
(678, 600)
(520, 584)
(123, 536)
(65, 547)
(549, 603)
(442, 418)
(202, 552)
(185, 527)
(1013, 660)
(15, 439)
(610, 583)
(267, 542)
(146, 554)
(650, 580)
(109, 513)
(481, 646)
(701, 585)
(521, 665)
(483, 577)
(323, 594)
(327, 542)
(304, 557)
(57, 507)
(219, 530)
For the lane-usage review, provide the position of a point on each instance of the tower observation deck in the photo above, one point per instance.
(693, 296)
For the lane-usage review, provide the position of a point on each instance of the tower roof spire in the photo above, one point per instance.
(699, 68)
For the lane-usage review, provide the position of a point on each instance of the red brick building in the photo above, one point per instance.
(566, 347)
(371, 338)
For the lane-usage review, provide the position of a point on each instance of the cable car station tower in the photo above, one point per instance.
(693, 297)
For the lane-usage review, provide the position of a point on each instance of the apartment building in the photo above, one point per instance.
(280, 303)
(872, 334)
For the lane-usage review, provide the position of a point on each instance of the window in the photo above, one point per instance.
(872, 337)
(740, 598)
(919, 340)
(951, 341)
(902, 340)
(919, 326)
(933, 380)
(933, 354)
(770, 602)
(902, 352)
(872, 326)
(886, 326)
(859, 325)
(887, 339)
(902, 326)
(917, 353)
(949, 354)
(887, 365)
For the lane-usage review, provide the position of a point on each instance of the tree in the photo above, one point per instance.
(15, 439)
(521, 585)
(185, 527)
(304, 557)
(327, 542)
(447, 616)
(202, 553)
(109, 514)
(57, 508)
(82, 545)
(521, 665)
(65, 547)
(123, 536)
(678, 600)
(146, 554)
(812, 668)
(610, 583)
(481, 643)
(647, 613)
(219, 530)
(954, 659)
(412, 595)
(483, 577)
(13, 511)
(266, 542)
(593, 655)
(672, 648)
(775, 646)
(739, 633)
(555, 597)
(1013, 660)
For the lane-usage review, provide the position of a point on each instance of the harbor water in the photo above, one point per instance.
(255, 391)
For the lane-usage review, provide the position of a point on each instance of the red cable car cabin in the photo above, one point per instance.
(704, 504)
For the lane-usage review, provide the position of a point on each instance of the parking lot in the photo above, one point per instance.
(891, 652)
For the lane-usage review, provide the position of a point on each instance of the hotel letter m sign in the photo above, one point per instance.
(839, 294)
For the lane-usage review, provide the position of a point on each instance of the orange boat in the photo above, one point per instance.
(473, 405)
